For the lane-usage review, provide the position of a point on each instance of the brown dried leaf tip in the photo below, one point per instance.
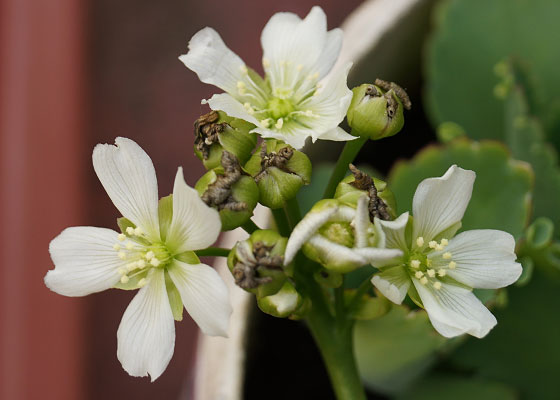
(278, 160)
(219, 193)
(376, 206)
(206, 131)
(250, 261)
(390, 88)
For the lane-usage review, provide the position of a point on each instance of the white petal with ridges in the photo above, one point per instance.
(454, 310)
(393, 283)
(394, 231)
(226, 103)
(129, 178)
(146, 335)
(441, 202)
(213, 61)
(484, 259)
(362, 222)
(85, 261)
(204, 295)
(194, 225)
(336, 134)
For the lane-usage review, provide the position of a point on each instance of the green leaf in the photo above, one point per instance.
(502, 190)
(447, 386)
(165, 213)
(470, 38)
(367, 307)
(395, 349)
(174, 298)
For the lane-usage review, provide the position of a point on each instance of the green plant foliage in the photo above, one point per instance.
(502, 190)
(470, 38)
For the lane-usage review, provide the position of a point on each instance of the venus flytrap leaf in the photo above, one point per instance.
(154, 253)
(297, 99)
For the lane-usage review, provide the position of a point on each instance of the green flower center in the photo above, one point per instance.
(338, 232)
(427, 270)
(280, 108)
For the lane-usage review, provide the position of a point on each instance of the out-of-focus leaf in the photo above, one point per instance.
(502, 190)
(445, 387)
(470, 38)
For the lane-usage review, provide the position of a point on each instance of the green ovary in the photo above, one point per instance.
(280, 108)
(338, 232)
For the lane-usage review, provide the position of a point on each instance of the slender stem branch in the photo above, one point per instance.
(292, 212)
(213, 252)
(281, 222)
(349, 153)
(339, 306)
(250, 226)
(362, 289)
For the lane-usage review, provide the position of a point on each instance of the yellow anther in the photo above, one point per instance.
(129, 245)
(444, 242)
(265, 123)
(155, 262)
(415, 263)
(142, 282)
(138, 231)
(141, 264)
(424, 280)
(249, 109)
(240, 85)
(299, 67)
(117, 246)
(122, 271)
(429, 262)
(419, 274)
(131, 266)
(442, 272)
(130, 230)
(309, 113)
(437, 285)
(149, 255)
(419, 241)
(452, 265)
(447, 255)
(122, 255)
(121, 237)
(124, 279)
(432, 244)
(439, 247)
(279, 123)
(431, 273)
(243, 69)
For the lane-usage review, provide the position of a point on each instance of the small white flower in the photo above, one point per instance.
(443, 268)
(296, 99)
(153, 256)
(340, 224)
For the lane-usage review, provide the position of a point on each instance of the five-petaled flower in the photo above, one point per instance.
(439, 269)
(154, 254)
(298, 97)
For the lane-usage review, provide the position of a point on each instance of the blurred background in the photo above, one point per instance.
(74, 73)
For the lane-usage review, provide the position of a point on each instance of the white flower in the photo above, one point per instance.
(155, 255)
(442, 268)
(340, 237)
(293, 102)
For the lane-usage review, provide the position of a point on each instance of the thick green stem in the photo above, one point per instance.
(213, 252)
(281, 222)
(349, 153)
(250, 226)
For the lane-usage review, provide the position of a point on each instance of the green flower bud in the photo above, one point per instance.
(232, 193)
(381, 200)
(215, 132)
(280, 171)
(376, 111)
(257, 264)
(283, 303)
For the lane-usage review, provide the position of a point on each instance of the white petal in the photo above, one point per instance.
(334, 254)
(306, 228)
(128, 175)
(194, 225)
(394, 231)
(441, 202)
(362, 222)
(85, 261)
(393, 283)
(226, 103)
(204, 295)
(213, 61)
(337, 134)
(146, 335)
(454, 310)
(302, 42)
(379, 257)
(485, 259)
(295, 136)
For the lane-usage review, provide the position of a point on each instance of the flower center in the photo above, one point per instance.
(280, 108)
(338, 232)
(423, 268)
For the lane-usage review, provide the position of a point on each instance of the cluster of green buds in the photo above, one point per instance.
(376, 111)
(257, 265)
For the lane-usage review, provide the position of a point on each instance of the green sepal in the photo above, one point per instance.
(367, 307)
(328, 279)
(349, 195)
(414, 296)
(132, 283)
(165, 214)
(277, 186)
(124, 223)
(283, 303)
(174, 298)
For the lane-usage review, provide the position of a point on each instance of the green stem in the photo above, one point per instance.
(349, 153)
(213, 252)
(281, 222)
(293, 212)
(362, 289)
(250, 226)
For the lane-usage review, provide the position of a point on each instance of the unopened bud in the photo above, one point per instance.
(376, 111)
(232, 193)
(216, 132)
(280, 171)
(257, 264)
(283, 303)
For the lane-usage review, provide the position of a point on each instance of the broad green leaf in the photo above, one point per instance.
(502, 190)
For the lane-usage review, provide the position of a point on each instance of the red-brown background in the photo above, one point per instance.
(74, 73)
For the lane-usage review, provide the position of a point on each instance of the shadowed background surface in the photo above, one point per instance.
(75, 73)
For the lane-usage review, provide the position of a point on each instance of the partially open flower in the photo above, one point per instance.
(215, 132)
(339, 237)
(283, 303)
(230, 191)
(280, 171)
